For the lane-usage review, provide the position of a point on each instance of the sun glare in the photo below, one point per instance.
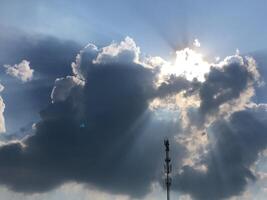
(188, 63)
(191, 64)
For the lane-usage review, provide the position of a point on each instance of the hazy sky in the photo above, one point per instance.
(222, 26)
(90, 88)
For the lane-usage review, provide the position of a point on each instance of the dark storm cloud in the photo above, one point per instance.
(49, 57)
(175, 84)
(96, 136)
(234, 143)
(235, 147)
(224, 84)
(234, 79)
(100, 130)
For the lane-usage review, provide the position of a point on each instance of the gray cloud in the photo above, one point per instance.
(226, 83)
(100, 130)
(63, 87)
(235, 146)
(175, 84)
(226, 95)
(99, 133)
(228, 87)
(50, 58)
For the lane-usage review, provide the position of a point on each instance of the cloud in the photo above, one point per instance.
(2, 109)
(63, 87)
(219, 120)
(227, 82)
(109, 115)
(101, 133)
(2, 119)
(236, 144)
(219, 94)
(126, 51)
(22, 71)
(83, 59)
(196, 43)
(219, 123)
(49, 57)
(175, 84)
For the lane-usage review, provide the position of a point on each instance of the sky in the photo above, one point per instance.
(90, 89)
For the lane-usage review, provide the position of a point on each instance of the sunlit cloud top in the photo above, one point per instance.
(189, 63)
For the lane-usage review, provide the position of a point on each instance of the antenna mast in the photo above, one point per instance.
(167, 168)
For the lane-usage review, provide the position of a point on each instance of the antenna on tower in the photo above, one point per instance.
(167, 167)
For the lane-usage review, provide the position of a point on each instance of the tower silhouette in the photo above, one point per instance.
(167, 167)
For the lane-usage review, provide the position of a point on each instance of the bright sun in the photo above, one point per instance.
(191, 64)
(188, 63)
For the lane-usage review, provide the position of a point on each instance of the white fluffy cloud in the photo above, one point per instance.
(22, 71)
(2, 119)
(125, 51)
(2, 108)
